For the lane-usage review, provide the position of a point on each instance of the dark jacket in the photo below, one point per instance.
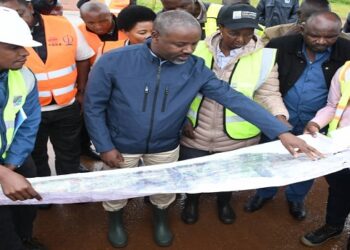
(138, 105)
(292, 62)
(276, 12)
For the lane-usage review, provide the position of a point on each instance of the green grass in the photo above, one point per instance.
(341, 7)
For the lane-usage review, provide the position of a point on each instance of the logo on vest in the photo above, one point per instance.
(53, 41)
(68, 40)
(17, 100)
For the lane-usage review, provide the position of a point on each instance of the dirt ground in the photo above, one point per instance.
(84, 226)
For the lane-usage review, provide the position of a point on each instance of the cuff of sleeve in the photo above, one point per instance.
(14, 160)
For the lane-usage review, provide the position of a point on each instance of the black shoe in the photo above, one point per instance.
(189, 214)
(83, 169)
(89, 152)
(321, 235)
(225, 211)
(226, 214)
(297, 209)
(255, 203)
(33, 244)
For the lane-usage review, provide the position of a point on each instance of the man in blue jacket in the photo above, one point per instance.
(19, 122)
(137, 99)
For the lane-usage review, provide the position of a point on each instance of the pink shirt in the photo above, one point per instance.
(326, 114)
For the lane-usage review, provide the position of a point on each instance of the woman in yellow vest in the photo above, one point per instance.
(337, 114)
(237, 56)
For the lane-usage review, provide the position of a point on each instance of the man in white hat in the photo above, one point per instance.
(19, 122)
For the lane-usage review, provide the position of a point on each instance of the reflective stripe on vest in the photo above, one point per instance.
(249, 73)
(344, 79)
(210, 26)
(57, 76)
(95, 42)
(17, 94)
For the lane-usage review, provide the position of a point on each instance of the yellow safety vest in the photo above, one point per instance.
(344, 79)
(250, 72)
(210, 26)
(17, 94)
(260, 33)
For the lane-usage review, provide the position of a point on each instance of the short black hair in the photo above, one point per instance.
(131, 15)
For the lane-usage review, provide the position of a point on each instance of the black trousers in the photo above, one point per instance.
(16, 222)
(338, 207)
(63, 128)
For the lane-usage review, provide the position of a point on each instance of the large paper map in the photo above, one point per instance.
(249, 168)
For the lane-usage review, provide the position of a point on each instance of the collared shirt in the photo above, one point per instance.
(222, 60)
(309, 93)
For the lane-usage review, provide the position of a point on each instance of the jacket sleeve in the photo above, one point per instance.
(269, 95)
(261, 12)
(249, 110)
(293, 14)
(97, 94)
(23, 143)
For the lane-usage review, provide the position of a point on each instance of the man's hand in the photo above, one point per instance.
(311, 128)
(112, 158)
(188, 130)
(296, 145)
(15, 186)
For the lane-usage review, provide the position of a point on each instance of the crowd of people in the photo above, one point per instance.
(148, 88)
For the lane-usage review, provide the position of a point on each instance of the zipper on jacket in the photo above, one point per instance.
(166, 93)
(153, 107)
(145, 97)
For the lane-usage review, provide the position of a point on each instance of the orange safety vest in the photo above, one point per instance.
(115, 6)
(97, 45)
(57, 76)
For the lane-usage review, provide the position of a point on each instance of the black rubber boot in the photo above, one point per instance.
(189, 214)
(225, 211)
(116, 232)
(162, 234)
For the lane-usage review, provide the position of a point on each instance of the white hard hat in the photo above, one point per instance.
(14, 30)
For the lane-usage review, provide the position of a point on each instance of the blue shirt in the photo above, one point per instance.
(309, 93)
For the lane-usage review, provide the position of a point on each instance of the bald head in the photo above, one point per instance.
(324, 20)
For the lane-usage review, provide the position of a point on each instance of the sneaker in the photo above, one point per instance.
(321, 235)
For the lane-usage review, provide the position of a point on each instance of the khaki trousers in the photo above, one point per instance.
(162, 201)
